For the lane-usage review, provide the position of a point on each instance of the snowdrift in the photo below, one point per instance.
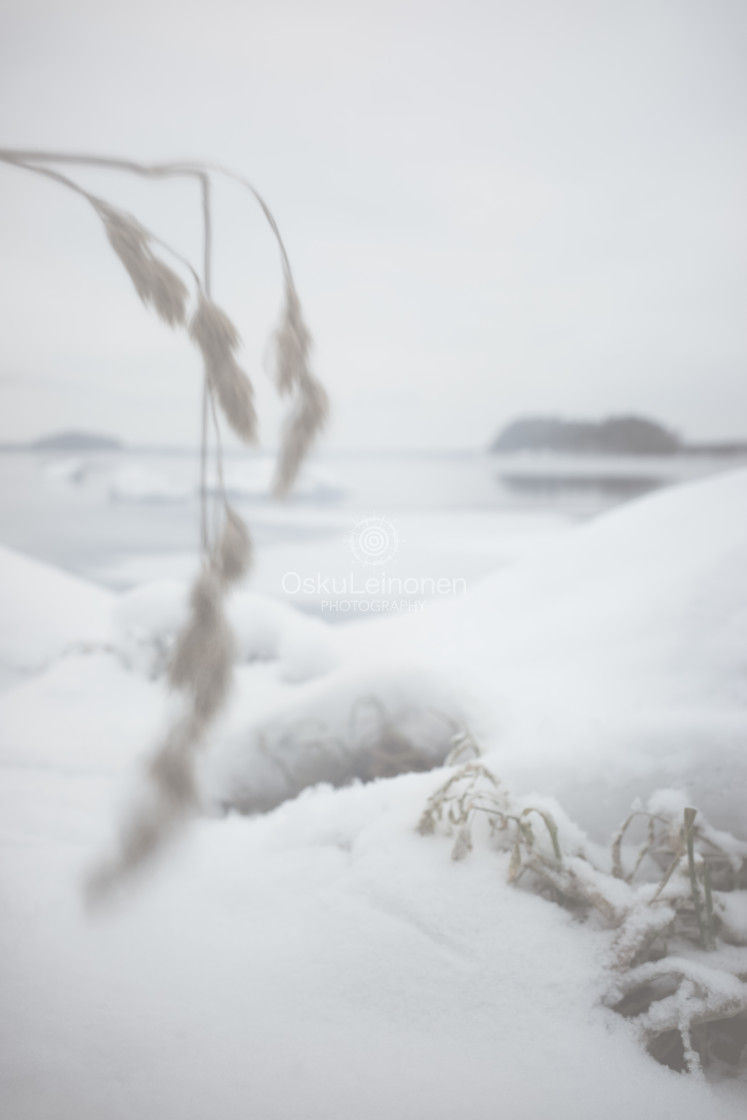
(323, 959)
(45, 613)
(612, 665)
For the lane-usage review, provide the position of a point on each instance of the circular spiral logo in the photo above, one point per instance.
(373, 540)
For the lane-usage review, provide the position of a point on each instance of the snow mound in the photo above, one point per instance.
(323, 960)
(45, 613)
(148, 618)
(348, 725)
(612, 665)
(616, 662)
(319, 946)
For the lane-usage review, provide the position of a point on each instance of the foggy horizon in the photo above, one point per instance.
(234, 447)
(492, 211)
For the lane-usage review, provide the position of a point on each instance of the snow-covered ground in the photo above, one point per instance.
(320, 958)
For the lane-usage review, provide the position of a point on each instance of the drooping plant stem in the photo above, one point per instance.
(201, 663)
(309, 406)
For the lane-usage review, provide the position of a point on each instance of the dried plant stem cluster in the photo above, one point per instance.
(677, 958)
(202, 659)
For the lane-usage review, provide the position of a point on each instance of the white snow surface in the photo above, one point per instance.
(148, 619)
(610, 664)
(45, 613)
(613, 663)
(322, 959)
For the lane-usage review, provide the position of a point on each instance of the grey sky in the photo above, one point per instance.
(492, 208)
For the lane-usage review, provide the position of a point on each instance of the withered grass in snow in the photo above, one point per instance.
(670, 911)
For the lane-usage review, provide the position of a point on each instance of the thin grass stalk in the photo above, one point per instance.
(689, 829)
(709, 919)
(551, 827)
(616, 849)
(207, 234)
(514, 866)
(204, 528)
(669, 872)
(645, 849)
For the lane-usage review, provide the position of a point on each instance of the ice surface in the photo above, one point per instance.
(136, 483)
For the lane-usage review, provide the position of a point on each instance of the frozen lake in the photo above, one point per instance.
(122, 518)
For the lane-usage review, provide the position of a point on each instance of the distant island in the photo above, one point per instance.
(615, 435)
(76, 441)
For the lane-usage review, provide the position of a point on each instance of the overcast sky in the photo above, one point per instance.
(492, 208)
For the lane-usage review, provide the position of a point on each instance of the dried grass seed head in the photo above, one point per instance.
(213, 332)
(154, 281)
(204, 651)
(218, 339)
(234, 555)
(163, 809)
(167, 293)
(236, 398)
(292, 343)
(307, 420)
(144, 836)
(171, 769)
